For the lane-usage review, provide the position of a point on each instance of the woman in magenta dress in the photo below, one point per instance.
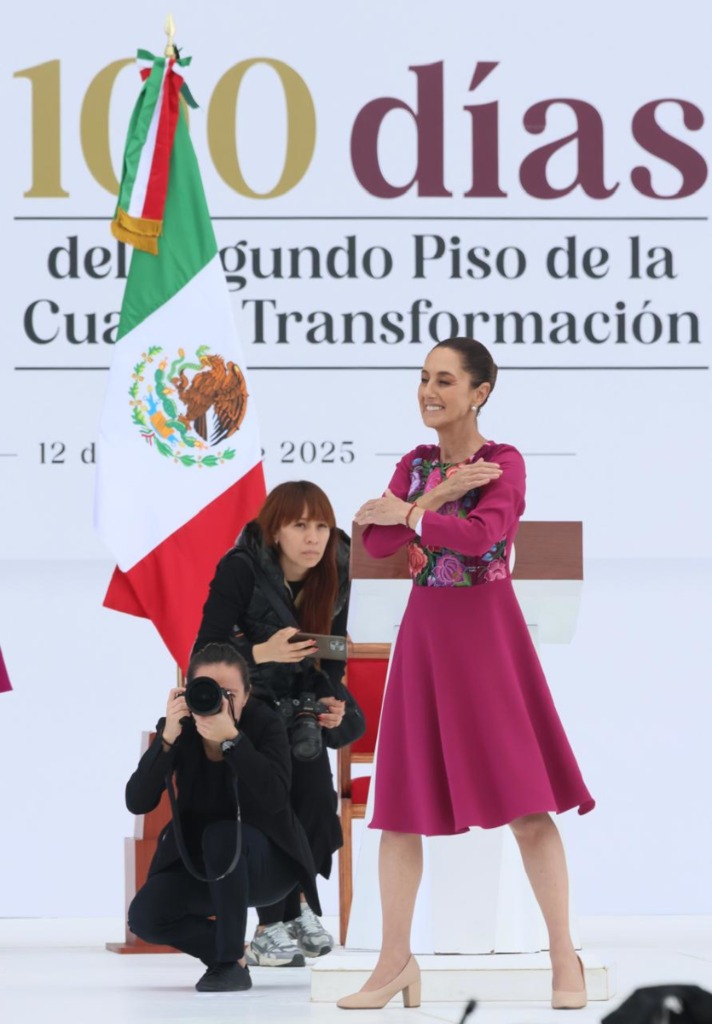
(469, 733)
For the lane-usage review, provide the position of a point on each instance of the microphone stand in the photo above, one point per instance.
(467, 1011)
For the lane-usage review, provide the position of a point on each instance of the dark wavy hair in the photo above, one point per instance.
(288, 502)
(476, 360)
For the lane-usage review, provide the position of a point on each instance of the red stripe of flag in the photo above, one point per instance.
(157, 186)
(170, 585)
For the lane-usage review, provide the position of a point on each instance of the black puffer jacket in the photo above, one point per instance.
(249, 602)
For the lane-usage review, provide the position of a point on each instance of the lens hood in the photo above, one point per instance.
(204, 696)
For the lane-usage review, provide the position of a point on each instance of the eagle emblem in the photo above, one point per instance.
(186, 408)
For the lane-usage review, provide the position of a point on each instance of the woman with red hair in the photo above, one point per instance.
(287, 574)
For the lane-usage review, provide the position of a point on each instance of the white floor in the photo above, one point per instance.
(55, 972)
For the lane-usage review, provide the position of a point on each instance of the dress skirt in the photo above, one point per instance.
(469, 734)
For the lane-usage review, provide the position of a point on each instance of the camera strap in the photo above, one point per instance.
(180, 842)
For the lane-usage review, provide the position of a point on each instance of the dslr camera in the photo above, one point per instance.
(204, 696)
(301, 716)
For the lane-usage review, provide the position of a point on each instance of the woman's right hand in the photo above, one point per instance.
(176, 710)
(278, 648)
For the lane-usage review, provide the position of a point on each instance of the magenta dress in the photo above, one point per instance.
(469, 733)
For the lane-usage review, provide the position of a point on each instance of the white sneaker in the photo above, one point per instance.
(309, 933)
(274, 947)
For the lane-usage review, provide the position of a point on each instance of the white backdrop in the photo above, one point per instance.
(616, 431)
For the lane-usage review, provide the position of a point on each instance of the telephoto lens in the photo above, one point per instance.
(204, 696)
(305, 730)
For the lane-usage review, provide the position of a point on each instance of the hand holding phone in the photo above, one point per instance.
(287, 645)
(330, 648)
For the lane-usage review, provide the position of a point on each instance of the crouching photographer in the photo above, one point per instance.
(234, 841)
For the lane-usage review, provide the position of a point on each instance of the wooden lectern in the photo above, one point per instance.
(475, 897)
(138, 853)
(543, 551)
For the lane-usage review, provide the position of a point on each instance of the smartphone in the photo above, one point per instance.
(330, 648)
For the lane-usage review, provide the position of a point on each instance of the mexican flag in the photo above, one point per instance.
(179, 464)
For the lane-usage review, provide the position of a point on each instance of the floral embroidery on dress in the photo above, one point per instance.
(442, 567)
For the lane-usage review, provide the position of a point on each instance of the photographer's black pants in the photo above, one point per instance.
(173, 908)
(314, 802)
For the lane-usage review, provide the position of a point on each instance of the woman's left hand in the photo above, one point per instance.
(217, 727)
(386, 511)
(335, 715)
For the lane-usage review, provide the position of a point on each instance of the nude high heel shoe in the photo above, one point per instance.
(571, 1000)
(407, 982)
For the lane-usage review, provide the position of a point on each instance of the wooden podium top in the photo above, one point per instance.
(543, 551)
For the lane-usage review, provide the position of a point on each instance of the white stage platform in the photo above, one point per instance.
(58, 971)
(503, 977)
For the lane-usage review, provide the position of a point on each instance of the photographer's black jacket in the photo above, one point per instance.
(261, 761)
(248, 602)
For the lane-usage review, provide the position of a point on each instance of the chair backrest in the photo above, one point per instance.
(366, 680)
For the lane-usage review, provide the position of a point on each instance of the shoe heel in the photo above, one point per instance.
(571, 1000)
(411, 994)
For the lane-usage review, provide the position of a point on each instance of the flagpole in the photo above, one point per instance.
(169, 27)
(175, 286)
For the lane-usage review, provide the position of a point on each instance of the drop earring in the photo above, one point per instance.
(475, 409)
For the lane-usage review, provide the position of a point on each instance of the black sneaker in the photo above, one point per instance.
(225, 978)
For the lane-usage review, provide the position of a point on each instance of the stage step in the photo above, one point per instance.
(501, 977)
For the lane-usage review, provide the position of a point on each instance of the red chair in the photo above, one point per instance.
(366, 669)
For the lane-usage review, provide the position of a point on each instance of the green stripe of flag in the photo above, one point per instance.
(187, 241)
(138, 131)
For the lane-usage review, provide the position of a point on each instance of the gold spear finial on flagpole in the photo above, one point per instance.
(170, 29)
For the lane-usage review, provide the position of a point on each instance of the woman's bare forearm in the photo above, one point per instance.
(432, 500)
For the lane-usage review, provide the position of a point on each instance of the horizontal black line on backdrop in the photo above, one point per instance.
(388, 217)
(504, 369)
